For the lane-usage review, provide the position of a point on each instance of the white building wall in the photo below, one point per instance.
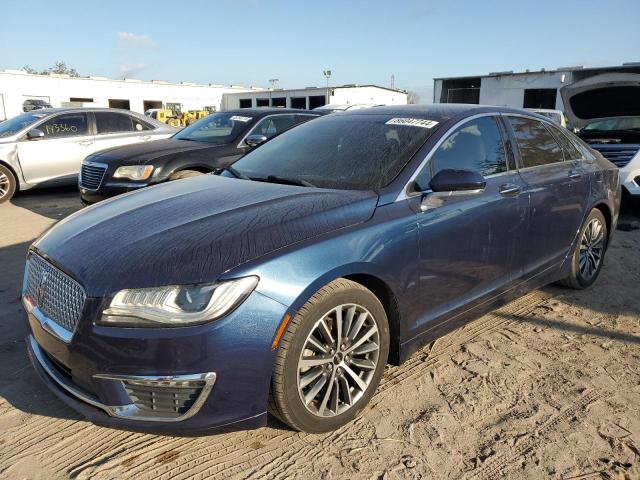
(17, 86)
(340, 95)
(508, 90)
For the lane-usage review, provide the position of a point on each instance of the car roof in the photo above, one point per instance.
(261, 111)
(51, 111)
(439, 112)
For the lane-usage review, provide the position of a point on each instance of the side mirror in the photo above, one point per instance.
(255, 140)
(35, 134)
(457, 181)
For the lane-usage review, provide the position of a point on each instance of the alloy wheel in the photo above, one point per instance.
(338, 360)
(5, 185)
(591, 249)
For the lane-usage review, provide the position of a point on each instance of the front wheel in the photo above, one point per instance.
(330, 359)
(588, 256)
(7, 184)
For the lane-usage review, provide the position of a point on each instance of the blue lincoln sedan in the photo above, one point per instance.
(286, 283)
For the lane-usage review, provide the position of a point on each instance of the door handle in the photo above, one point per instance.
(574, 174)
(86, 143)
(510, 190)
(145, 137)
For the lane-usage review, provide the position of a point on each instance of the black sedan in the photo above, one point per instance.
(212, 143)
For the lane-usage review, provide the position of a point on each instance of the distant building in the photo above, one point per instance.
(17, 86)
(312, 97)
(539, 89)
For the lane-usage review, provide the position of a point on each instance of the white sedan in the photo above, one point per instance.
(46, 147)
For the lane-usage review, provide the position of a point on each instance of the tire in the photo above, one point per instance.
(592, 241)
(7, 184)
(291, 378)
(183, 174)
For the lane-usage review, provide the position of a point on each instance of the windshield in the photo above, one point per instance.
(15, 124)
(349, 152)
(614, 124)
(220, 128)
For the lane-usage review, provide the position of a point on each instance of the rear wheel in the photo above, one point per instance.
(588, 256)
(184, 174)
(7, 184)
(330, 359)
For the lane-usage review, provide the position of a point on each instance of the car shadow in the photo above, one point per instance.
(55, 203)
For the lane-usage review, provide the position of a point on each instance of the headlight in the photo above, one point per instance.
(134, 172)
(176, 305)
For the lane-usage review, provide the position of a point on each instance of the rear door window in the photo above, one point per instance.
(67, 125)
(536, 145)
(571, 152)
(109, 122)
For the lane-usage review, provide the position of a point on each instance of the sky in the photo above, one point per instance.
(248, 42)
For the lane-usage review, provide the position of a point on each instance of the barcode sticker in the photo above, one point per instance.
(413, 122)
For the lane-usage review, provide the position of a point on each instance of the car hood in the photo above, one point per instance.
(602, 96)
(193, 230)
(142, 153)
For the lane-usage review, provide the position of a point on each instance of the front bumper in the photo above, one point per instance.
(630, 177)
(108, 190)
(231, 358)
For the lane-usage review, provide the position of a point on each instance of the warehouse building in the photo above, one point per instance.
(313, 97)
(18, 86)
(529, 89)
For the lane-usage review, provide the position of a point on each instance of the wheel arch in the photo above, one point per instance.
(13, 172)
(608, 217)
(197, 168)
(373, 281)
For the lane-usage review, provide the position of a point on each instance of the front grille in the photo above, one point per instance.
(163, 400)
(58, 296)
(91, 176)
(617, 154)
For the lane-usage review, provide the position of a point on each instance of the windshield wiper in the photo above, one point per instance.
(236, 173)
(288, 181)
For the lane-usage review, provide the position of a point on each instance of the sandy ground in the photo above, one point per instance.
(546, 387)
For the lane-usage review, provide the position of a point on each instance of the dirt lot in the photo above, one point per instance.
(546, 387)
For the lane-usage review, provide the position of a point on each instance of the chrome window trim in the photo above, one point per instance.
(242, 144)
(403, 195)
(127, 411)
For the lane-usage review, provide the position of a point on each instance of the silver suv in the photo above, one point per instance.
(46, 147)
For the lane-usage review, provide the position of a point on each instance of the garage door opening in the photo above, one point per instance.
(245, 103)
(124, 104)
(81, 100)
(262, 102)
(149, 104)
(279, 102)
(461, 90)
(299, 102)
(540, 98)
(316, 101)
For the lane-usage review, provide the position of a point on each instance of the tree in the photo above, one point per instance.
(59, 67)
(412, 97)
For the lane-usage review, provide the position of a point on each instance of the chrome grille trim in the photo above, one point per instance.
(92, 174)
(53, 293)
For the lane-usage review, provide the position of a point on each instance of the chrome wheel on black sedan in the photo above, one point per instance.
(339, 360)
(330, 358)
(588, 256)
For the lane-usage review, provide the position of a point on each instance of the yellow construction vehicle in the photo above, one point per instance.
(175, 117)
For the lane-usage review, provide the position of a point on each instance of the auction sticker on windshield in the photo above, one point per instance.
(412, 122)
(240, 118)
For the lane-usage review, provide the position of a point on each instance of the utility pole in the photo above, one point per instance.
(327, 74)
(273, 82)
(393, 81)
